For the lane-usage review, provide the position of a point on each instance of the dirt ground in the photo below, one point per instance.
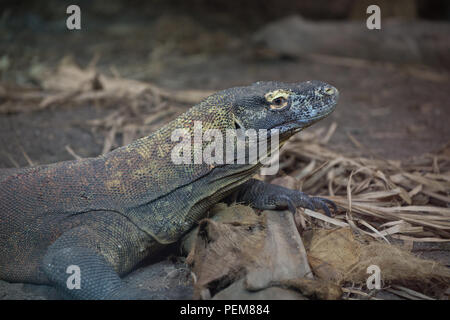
(384, 111)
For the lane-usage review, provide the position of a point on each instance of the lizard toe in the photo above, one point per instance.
(289, 203)
(323, 204)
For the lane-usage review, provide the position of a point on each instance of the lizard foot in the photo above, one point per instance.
(293, 199)
(266, 196)
(323, 203)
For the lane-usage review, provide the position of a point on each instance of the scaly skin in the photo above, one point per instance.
(107, 214)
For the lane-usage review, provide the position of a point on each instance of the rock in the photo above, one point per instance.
(418, 42)
(237, 291)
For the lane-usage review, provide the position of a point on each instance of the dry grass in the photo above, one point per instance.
(140, 107)
(405, 200)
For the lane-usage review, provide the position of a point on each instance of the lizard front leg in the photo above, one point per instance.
(266, 196)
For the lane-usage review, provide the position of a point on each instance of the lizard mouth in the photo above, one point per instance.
(293, 126)
(298, 125)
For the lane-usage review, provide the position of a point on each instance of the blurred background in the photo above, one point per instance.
(59, 89)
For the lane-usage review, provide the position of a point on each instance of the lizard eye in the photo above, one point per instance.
(278, 103)
(278, 99)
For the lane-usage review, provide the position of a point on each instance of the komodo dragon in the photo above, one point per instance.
(106, 214)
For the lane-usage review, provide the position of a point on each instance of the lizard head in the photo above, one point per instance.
(288, 107)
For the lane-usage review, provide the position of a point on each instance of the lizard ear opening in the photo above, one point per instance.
(240, 130)
(237, 124)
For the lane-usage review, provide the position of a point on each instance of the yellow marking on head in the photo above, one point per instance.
(278, 98)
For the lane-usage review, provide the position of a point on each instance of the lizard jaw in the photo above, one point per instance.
(296, 126)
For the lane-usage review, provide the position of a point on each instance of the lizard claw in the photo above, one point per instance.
(322, 202)
(304, 201)
(289, 203)
(295, 199)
